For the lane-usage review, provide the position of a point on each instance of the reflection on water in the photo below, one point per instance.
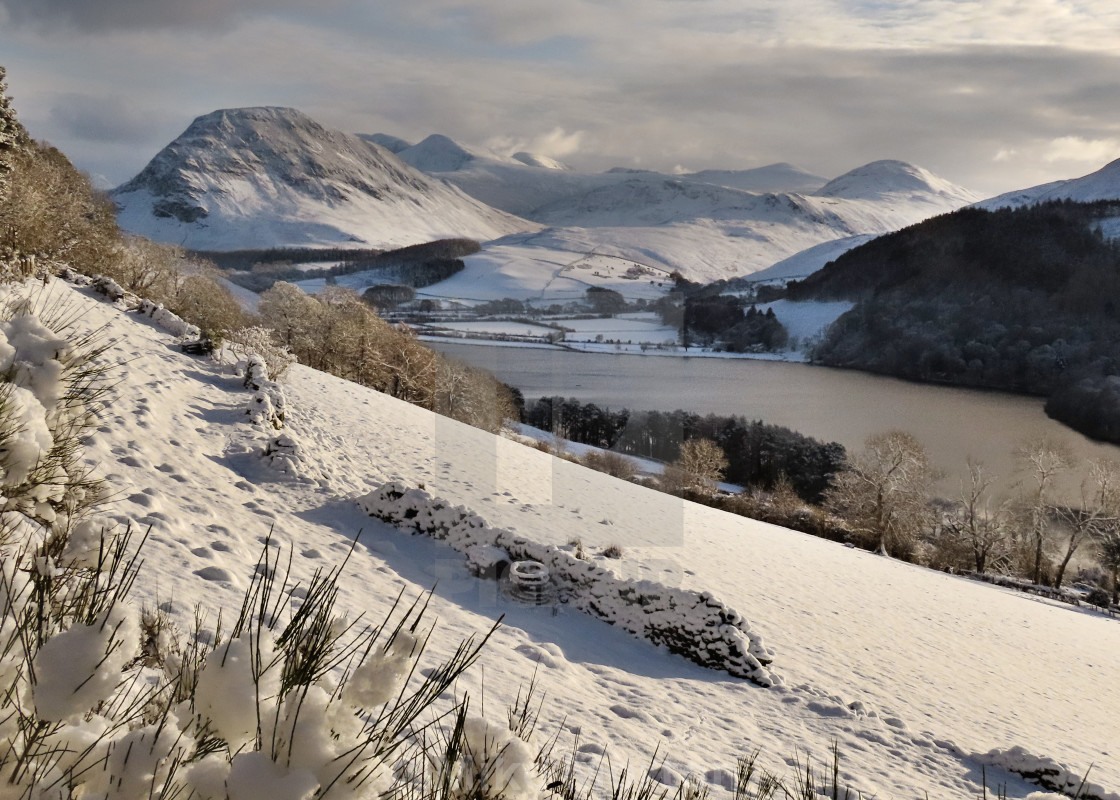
(829, 404)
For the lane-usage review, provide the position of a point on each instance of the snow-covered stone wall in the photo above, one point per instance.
(692, 624)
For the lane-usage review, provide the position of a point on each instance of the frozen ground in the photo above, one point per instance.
(913, 674)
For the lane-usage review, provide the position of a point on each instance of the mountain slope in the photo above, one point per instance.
(269, 177)
(1104, 184)
(916, 688)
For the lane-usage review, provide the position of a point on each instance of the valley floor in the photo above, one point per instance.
(915, 675)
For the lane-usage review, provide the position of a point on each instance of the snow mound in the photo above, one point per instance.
(1047, 773)
(692, 624)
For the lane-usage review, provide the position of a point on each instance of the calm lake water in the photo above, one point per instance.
(828, 404)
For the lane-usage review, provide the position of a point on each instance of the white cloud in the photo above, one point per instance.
(556, 143)
(1080, 150)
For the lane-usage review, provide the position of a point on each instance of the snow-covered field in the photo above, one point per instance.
(915, 675)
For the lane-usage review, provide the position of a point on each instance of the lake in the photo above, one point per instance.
(828, 404)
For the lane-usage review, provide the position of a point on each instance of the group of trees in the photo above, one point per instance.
(337, 332)
(706, 315)
(757, 454)
(884, 495)
(415, 266)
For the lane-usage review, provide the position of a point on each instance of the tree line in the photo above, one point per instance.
(757, 453)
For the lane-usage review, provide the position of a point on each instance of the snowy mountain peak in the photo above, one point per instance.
(268, 177)
(437, 153)
(888, 178)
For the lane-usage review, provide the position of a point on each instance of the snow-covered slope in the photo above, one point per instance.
(915, 675)
(269, 177)
(1104, 184)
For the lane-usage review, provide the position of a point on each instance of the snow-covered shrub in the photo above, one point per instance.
(165, 319)
(692, 624)
(108, 287)
(267, 406)
(260, 341)
(50, 390)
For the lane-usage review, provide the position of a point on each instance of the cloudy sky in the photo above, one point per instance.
(992, 94)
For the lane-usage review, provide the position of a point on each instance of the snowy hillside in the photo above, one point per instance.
(1104, 184)
(920, 678)
(270, 177)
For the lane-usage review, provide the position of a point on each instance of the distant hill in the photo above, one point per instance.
(1018, 299)
(271, 177)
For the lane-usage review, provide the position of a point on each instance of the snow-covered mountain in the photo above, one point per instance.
(709, 232)
(1104, 184)
(897, 181)
(919, 678)
(270, 177)
(707, 225)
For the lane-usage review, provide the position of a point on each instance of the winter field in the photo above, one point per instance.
(921, 679)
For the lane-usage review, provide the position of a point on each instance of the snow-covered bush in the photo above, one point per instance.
(692, 624)
(267, 406)
(108, 287)
(50, 388)
(170, 322)
(260, 341)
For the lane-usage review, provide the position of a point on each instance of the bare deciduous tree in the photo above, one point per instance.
(979, 527)
(1100, 502)
(884, 493)
(1041, 461)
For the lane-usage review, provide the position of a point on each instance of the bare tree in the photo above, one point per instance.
(1041, 461)
(979, 527)
(1096, 517)
(1109, 554)
(884, 493)
(703, 462)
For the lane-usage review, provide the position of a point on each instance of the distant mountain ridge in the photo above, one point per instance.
(269, 176)
(708, 225)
